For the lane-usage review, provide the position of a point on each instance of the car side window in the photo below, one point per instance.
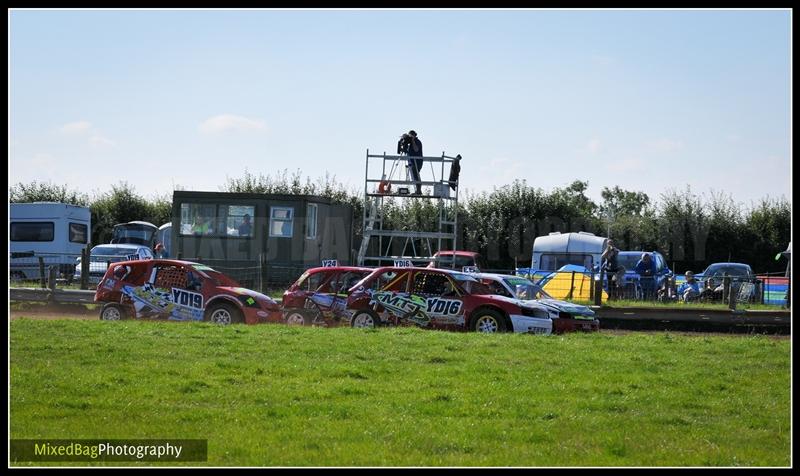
(171, 276)
(432, 284)
(390, 281)
(498, 289)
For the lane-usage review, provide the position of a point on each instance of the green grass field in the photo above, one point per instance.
(284, 396)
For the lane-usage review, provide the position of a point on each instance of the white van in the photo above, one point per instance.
(558, 249)
(54, 231)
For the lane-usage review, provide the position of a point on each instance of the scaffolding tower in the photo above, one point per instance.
(387, 182)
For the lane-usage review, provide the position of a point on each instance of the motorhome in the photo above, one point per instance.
(56, 232)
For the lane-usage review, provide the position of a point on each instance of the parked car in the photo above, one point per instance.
(440, 299)
(319, 296)
(135, 232)
(631, 285)
(101, 255)
(457, 260)
(743, 280)
(566, 316)
(180, 291)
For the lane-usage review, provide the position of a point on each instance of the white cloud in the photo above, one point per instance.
(75, 128)
(99, 142)
(231, 122)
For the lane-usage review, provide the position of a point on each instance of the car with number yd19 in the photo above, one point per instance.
(179, 291)
(566, 316)
(439, 299)
(319, 296)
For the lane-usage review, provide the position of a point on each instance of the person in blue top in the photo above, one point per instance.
(690, 289)
(646, 269)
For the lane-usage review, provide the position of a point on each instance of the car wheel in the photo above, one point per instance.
(113, 312)
(223, 314)
(488, 321)
(365, 319)
(297, 317)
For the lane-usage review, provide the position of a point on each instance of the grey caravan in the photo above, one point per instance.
(557, 249)
(56, 232)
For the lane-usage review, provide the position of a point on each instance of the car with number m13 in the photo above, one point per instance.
(439, 299)
(179, 291)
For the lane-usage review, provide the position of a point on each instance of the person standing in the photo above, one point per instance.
(610, 261)
(415, 165)
(646, 269)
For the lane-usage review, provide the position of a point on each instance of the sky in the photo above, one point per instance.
(642, 99)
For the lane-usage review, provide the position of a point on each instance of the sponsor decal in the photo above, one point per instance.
(420, 310)
(176, 304)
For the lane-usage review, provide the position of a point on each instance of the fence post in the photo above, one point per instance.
(42, 277)
(86, 254)
(763, 287)
(571, 285)
(262, 264)
(598, 289)
(52, 275)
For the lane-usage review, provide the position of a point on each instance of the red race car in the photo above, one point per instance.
(440, 299)
(179, 291)
(319, 296)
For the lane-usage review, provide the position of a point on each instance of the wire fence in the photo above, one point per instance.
(30, 268)
(768, 289)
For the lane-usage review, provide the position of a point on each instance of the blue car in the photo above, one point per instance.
(632, 284)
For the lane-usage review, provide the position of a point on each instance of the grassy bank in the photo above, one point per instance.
(275, 395)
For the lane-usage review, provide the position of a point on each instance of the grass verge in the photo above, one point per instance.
(281, 396)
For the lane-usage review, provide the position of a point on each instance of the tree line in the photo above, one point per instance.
(690, 230)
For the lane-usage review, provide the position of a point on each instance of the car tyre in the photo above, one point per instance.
(365, 319)
(488, 321)
(297, 317)
(223, 314)
(113, 312)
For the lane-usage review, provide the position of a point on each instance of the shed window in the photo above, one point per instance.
(280, 222)
(311, 221)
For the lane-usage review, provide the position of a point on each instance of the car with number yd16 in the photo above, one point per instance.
(319, 296)
(179, 291)
(566, 316)
(439, 299)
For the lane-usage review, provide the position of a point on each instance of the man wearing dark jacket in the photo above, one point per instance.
(415, 165)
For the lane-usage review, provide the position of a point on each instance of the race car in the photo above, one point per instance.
(319, 296)
(566, 316)
(179, 291)
(440, 299)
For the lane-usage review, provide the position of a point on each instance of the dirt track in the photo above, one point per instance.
(73, 312)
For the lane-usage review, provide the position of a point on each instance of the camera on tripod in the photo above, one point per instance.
(404, 143)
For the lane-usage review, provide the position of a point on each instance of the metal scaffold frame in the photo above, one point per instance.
(378, 242)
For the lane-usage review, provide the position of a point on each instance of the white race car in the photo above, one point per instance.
(566, 316)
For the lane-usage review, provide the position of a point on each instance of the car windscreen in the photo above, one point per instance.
(628, 261)
(524, 289)
(447, 261)
(722, 270)
(138, 234)
(113, 251)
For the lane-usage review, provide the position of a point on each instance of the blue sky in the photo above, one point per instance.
(647, 100)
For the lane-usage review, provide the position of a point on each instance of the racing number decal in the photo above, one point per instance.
(187, 298)
(444, 307)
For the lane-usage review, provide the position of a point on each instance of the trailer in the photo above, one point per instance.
(54, 232)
